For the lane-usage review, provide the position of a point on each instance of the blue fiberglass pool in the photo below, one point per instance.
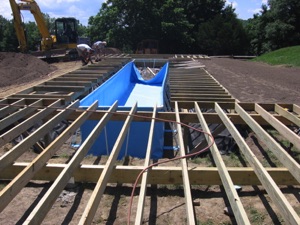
(128, 87)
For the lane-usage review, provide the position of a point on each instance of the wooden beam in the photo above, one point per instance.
(23, 146)
(21, 113)
(200, 98)
(141, 202)
(189, 117)
(198, 95)
(76, 79)
(68, 83)
(68, 97)
(92, 205)
(6, 110)
(271, 187)
(26, 124)
(190, 214)
(15, 186)
(54, 88)
(296, 109)
(281, 128)
(44, 205)
(233, 197)
(273, 146)
(157, 175)
(286, 114)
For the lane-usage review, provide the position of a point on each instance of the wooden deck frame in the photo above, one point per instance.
(32, 107)
(96, 196)
(144, 182)
(286, 210)
(23, 146)
(29, 122)
(157, 175)
(273, 146)
(233, 197)
(283, 130)
(185, 176)
(42, 208)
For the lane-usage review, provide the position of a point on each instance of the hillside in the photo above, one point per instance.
(289, 56)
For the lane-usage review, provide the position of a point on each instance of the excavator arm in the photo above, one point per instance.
(31, 5)
(19, 27)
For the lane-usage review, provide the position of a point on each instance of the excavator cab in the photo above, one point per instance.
(66, 33)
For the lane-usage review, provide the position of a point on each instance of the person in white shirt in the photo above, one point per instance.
(85, 53)
(99, 46)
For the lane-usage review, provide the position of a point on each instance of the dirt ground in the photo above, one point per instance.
(258, 82)
(246, 81)
(19, 71)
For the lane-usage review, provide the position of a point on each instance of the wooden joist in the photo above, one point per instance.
(287, 211)
(234, 199)
(185, 176)
(96, 196)
(144, 182)
(196, 97)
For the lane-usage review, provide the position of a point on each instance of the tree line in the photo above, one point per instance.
(181, 26)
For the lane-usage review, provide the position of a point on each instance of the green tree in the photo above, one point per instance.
(277, 26)
(33, 36)
(175, 28)
(222, 34)
(284, 29)
(8, 40)
(180, 26)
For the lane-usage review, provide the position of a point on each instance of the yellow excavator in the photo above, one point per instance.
(62, 43)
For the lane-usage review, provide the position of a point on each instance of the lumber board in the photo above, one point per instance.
(203, 98)
(286, 210)
(157, 175)
(190, 214)
(281, 128)
(68, 83)
(3, 103)
(67, 97)
(50, 88)
(189, 117)
(142, 195)
(189, 91)
(15, 186)
(83, 74)
(6, 110)
(76, 79)
(233, 197)
(198, 95)
(23, 146)
(286, 114)
(92, 205)
(296, 109)
(22, 112)
(273, 146)
(44, 205)
(29, 122)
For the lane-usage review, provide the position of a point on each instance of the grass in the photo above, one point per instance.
(289, 56)
(256, 217)
(234, 159)
(2, 186)
(203, 161)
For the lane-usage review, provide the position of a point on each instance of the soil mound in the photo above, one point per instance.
(112, 51)
(18, 68)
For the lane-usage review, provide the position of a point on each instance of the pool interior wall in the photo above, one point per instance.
(128, 87)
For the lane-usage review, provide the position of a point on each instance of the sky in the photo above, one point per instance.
(83, 9)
